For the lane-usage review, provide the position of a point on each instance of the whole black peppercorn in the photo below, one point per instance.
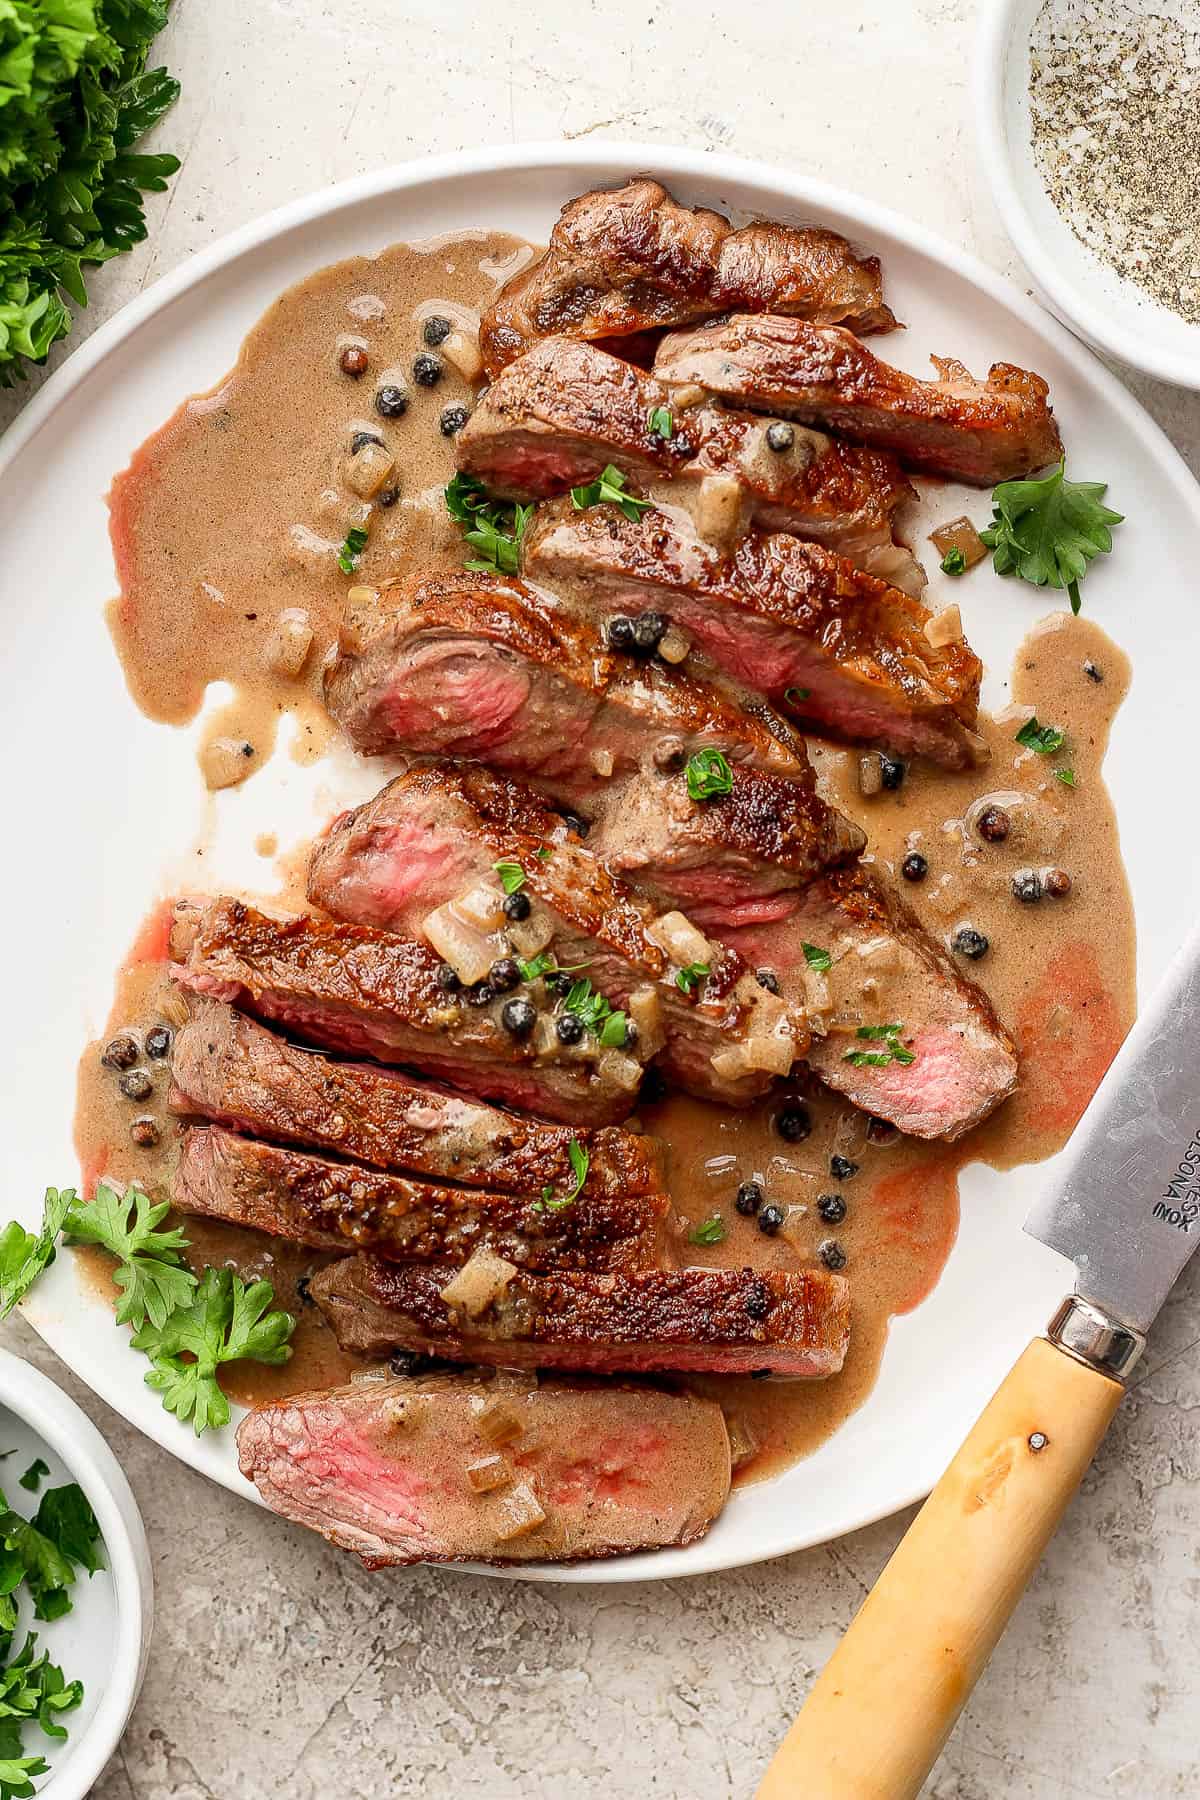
(303, 1283)
(574, 823)
(891, 771)
(780, 436)
(767, 978)
(352, 361)
(361, 439)
(555, 982)
(387, 497)
(136, 1085)
(649, 630)
(158, 1041)
(505, 975)
(631, 1035)
(1093, 671)
(517, 906)
(914, 867)
(842, 1169)
(618, 633)
(519, 1017)
(748, 1198)
(427, 369)
(568, 1028)
(832, 1254)
(144, 1133)
(758, 1301)
(391, 402)
(1057, 883)
(1027, 886)
(482, 994)
(447, 980)
(770, 1219)
(435, 330)
(793, 1123)
(832, 1208)
(993, 824)
(451, 420)
(969, 942)
(120, 1052)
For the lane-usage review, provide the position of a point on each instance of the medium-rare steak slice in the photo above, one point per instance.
(887, 970)
(429, 844)
(969, 430)
(723, 1321)
(229, 1068)
(345, 987)
(466, 666)
(830, 644)
(631, 260)
(560, 414)
(342, 1206)
(410, 1470)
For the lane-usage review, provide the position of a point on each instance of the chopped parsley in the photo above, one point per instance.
(708, 775)
(817, 959)
(1045, 739)
(660, 423)
(610, 486)
(1067, 777)
(690, 976)
(493, 528)
(893, 1050)
(954, 562)
(1048, 531)
(712, 1231)
(543, 853)
(31, 1480)
(352, 549)
(596, 1015)
(580, 1161)
(512, 875)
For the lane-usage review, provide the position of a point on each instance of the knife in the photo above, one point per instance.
(1127, 1214)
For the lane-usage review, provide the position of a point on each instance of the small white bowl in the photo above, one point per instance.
(1111, 314)
(104, 1640)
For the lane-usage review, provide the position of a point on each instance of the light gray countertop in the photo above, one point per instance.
(280, 1668)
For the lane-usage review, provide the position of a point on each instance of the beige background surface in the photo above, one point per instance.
(281, 1669)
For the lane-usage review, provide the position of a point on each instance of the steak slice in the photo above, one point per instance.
(723, 1321)
(957, 426)
(385, 1468)
(229, 1068)
(463, 666)
(965, 1061)
(565, 410)
(370, 993)
(830, 644)
(342, 1206)
(431, 837)
(630, 260)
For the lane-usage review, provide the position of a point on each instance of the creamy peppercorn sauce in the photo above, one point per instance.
(233, 514)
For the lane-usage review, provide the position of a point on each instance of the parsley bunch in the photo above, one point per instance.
(75, 96)
(1048, 531)
(493, 528)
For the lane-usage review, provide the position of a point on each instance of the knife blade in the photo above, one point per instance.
(1127, 1213)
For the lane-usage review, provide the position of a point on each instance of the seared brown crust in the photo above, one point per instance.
(827, 642)
(229, 1068)
(957, 426)
(557, 416)
(341, 1206)
(631, 260)
(731, 1321)
(369, 992)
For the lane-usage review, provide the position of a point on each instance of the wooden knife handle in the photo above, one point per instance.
(873, 1725)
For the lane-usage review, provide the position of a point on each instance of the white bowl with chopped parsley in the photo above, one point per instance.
(1088, 125)
(76, 1594)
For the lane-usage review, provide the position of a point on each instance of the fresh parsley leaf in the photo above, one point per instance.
(1045, 739)
(794, 695)
(690, 976)
(47, 1571)
(16, 1772)
(708, 775)
(954, 562)
(541, 964)
(710, 1232)
(153, 1277)
(817, 959)
(614, 1033)
(1067, 777)
(493, 528)
(543, 852)
(660, 423)
(512, 875)
(610, 487)
(595, 1014)
(352, 549)
(31, 1480)
(1048, 531)
(879, 1031)
(24, 1254)
(227, 1320)
(65, 1516)
(580, 1162)
(894, 1051)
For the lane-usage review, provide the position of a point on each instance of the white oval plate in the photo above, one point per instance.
(102, 805)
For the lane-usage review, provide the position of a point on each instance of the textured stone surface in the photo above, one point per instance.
(282, 1669)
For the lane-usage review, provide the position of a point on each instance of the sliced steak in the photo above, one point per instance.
(830, 644)
(463, 666)
(977, 431)
(727, 1321)
(229, 1068)
(347, 988)
(390, 1469)
(565, 410)
(632, 260)
(343, 1206)
(433, 836)
(886, 969)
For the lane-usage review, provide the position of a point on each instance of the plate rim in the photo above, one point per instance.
(669, 162)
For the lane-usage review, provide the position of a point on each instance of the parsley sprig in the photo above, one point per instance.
(892, 1051)
(1045, 739)
(596, 1015)
(580, 1163)
(227, 1320)
(493, 528)
(610, 486)
(1048, 531)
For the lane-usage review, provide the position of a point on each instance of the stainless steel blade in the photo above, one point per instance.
(1128, 1213)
